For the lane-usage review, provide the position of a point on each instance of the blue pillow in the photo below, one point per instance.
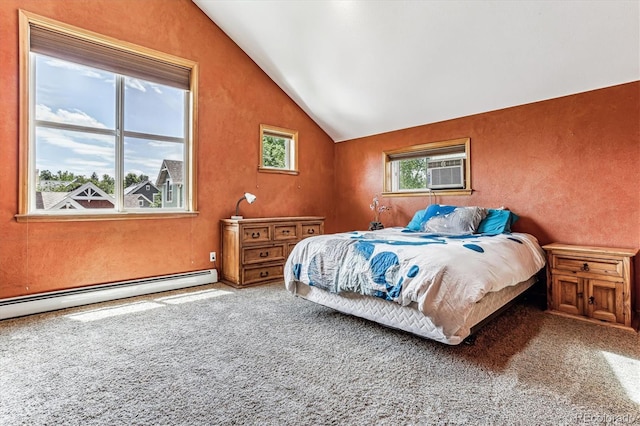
(415, 223)
(436, 210)
(498, 221)
(421, 216)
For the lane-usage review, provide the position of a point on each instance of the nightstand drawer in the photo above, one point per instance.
(583, 264)
(257, 234)
(266, 273)
(285, 232)
(263, 254)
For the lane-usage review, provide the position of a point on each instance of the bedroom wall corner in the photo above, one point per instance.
(235, 96)
(569, 167)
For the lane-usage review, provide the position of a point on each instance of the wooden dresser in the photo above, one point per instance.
(591, 283)
(254, 250)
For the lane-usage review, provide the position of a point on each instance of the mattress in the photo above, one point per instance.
(409, 318)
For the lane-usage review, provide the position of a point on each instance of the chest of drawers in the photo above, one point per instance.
(254, 250)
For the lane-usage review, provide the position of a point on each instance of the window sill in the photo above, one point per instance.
(24, 218)
(281, 171)
(427, 193)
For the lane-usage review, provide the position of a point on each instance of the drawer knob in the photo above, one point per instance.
(585, 267)
(311, 231)
(264, 274)
(591, 300)
(255, 235)
(285, 231)
(264, 254)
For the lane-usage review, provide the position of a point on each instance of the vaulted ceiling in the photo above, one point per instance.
(360, 67)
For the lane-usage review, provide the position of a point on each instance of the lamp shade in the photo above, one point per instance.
(250, 199)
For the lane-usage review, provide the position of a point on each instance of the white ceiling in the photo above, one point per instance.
(360, 68)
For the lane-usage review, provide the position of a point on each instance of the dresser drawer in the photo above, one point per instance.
(263, 254)
(265, 273)
(256, 234)
(310, 229)
(285, 232)
(583, 264)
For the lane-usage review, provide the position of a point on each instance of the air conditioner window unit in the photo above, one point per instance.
(445, 174)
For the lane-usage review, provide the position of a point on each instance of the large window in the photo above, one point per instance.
(440, 167)
(278, 150)
(107, 126)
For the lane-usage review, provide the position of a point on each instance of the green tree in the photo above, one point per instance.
(157, 200)
(69, 181)
(274, 152)
(107, 184)
(66, 176)
(46, 175)
(131, 179)
(413, 173)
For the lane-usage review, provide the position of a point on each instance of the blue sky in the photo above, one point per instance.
(74, 94)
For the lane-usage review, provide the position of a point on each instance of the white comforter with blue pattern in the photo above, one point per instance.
(444, 275)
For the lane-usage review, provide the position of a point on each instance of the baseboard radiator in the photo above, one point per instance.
(52, 301)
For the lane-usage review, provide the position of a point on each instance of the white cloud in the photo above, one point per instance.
(60, 139)
(85, 71)
(80, 166)
(142, 85)
(76, 165)
(166, 145)
(134, 83)
(147, 162)
(77, 117)
(85, 162)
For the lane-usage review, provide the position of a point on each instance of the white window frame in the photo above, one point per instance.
(27, 177)
(458, 148)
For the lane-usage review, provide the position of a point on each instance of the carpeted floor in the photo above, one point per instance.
(214, 355)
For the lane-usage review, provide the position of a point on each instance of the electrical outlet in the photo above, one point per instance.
(212, 256)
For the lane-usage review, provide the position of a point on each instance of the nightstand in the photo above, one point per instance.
(591, 283)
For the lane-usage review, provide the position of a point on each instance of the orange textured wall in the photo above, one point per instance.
(235, 97)
(570, 167)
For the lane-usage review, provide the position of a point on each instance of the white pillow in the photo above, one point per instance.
(461, 221)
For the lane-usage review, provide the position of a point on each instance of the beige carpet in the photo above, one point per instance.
(215, 355)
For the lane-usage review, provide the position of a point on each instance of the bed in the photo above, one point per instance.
(437, 286)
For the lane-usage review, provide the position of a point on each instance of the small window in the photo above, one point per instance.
(278, 150)
(169, 191)
(439, 167)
